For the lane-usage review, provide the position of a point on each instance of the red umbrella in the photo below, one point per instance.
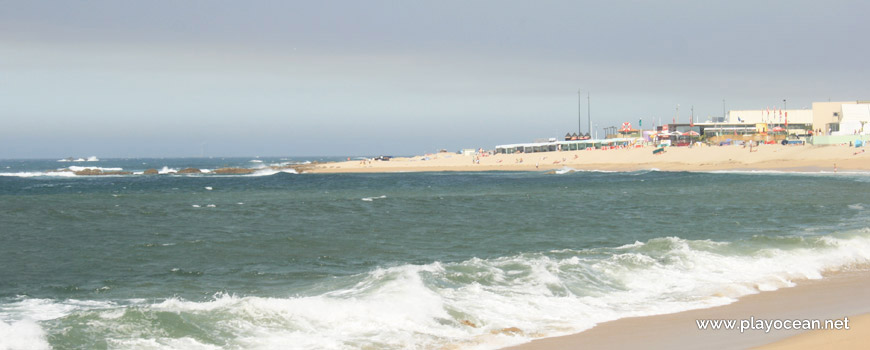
(777, 129)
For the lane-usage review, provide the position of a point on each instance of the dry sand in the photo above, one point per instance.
(835, 297)
(702, 158)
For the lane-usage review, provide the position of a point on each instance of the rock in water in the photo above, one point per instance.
(509, 330)
(189, 171)
(94, 172)
(234, 171)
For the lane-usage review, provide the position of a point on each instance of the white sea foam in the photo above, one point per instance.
(432, 305)
(568, 170)
(565, 170)
(25, 334)
(428, 306)
(369, 199)
(40, 173)
(167, 170)
(270, 172)
(89, 159)
(19, 320)
(424, 306)
(160, 343)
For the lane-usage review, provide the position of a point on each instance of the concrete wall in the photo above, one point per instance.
(825, 113)
(836, 140)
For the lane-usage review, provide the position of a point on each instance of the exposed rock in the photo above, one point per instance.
(88, 172)
(189, 171)
(95, 172)
(509, 331)
(151, 172)
(468, 323)
(234, 171)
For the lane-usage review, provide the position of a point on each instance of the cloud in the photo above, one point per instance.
(453, 73)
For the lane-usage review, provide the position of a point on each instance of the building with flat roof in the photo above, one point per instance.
(841, 118)
(771, 116)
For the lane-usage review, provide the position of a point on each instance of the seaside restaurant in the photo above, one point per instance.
(570, 145)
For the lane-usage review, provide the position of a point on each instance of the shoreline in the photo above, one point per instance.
(837, 295)
(701, 158)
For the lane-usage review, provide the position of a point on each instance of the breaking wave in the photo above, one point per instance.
(477, 303)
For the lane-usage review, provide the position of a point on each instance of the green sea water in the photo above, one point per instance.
(400, 260)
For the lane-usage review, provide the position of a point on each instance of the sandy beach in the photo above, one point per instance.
(838, 296)
(702, 158)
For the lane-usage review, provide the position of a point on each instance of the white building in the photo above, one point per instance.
(758, 116)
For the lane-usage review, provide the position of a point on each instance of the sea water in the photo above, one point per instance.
(396, 260)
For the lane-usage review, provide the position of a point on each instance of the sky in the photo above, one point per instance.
(347, 78)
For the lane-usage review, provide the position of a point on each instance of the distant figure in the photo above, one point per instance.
(536, 165)
(835, 167)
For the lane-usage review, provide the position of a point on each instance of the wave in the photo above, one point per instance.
(167, 170)
(270, 172)
(568, 170)
(25, 334)
(40, 173)
(63, 172)
(89, 159)
(477, 303)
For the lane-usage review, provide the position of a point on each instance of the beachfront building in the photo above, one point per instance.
(825, 123)
(841, 118)
(825, 119)
(792, 121)
(569, 145)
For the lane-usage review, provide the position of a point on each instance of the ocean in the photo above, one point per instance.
(395, 260)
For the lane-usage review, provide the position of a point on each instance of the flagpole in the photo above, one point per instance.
(785, 110)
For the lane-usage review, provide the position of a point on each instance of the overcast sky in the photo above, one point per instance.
(294, 78)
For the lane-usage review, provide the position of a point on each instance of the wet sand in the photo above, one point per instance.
(836, 296)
